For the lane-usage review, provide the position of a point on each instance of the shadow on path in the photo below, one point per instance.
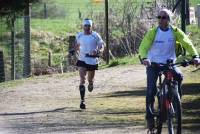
(139, 92)
(191, 107)
(38, 112)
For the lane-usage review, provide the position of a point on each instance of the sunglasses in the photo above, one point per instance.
(87, 25)
(162, 17)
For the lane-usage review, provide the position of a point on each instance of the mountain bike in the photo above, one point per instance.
(168, 99)
(169, 107)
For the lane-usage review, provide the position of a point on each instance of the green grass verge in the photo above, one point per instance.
(35, 79)
(116, 110)
(127, 60)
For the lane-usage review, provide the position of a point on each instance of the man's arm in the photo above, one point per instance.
(146, 43)
(77, 46)
(186, 42)
(98, 50)
(100, 45)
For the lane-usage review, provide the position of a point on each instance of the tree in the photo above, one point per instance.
(10, 6)
(10, 9)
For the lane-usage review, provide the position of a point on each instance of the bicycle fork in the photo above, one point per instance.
(169, 107)
(169, 110)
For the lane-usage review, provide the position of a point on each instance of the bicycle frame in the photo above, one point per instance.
(166, 93)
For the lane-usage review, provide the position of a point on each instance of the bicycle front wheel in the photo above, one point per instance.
(174, 116)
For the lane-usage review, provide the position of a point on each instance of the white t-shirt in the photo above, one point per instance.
(163, 47)
(88, 43)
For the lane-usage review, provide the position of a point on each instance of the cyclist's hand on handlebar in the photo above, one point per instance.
(196, 61)
(146, 62)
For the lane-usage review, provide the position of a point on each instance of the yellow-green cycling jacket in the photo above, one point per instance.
(180, 37)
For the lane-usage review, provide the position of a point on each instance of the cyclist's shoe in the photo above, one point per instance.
(90, 87)
(82, 105)
(150, 124)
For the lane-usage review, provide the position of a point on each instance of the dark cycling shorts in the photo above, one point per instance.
(87, 66)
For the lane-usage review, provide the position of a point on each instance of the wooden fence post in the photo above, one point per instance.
(2, 72)
(198, 14)
(71, 51)
(27, 41)
(49, 58)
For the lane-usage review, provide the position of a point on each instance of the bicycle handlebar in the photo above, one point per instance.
(183, 63)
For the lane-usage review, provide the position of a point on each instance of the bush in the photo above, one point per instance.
(113, 63)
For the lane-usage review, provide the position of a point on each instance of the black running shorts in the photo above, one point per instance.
(87, 66)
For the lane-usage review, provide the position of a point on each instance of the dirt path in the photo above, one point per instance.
(52, 92)
(51, 104)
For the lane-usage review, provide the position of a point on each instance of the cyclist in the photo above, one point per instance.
(89, 43)
(157, 46)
